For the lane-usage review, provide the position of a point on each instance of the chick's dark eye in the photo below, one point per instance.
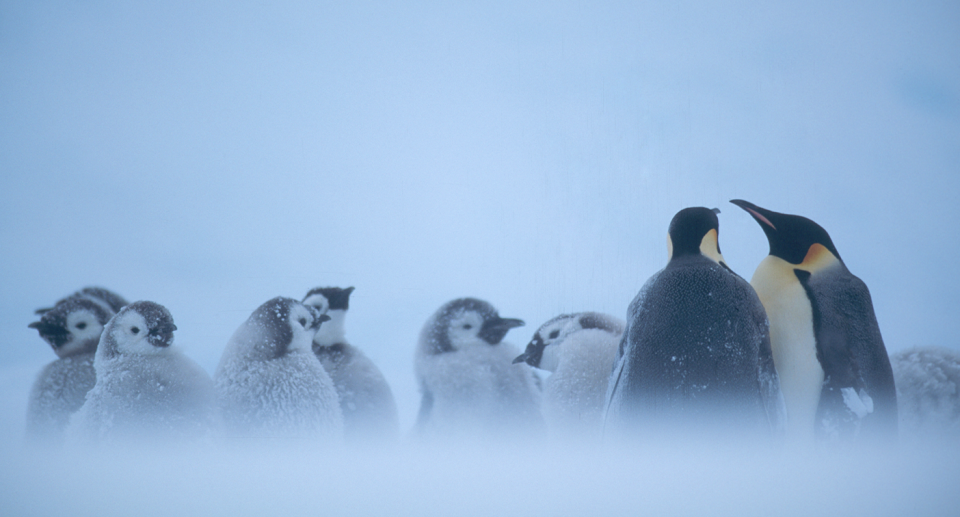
(81, 325)
(135, 330)
(303, 322)
(554, 334)
(468, 326)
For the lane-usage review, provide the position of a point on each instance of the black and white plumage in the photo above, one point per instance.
(367, 403)
(580, 349)
(834, 369)
(928, 393)
(468, 383)
(269, 384)
(72, 328)
(109, 300)
(695, 356)
(146, 389)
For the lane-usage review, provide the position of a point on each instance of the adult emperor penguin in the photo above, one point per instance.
(369, 410)
(834, 370)
(146, 389)
(580, 350)
(72, 328)
(469, 386)
(269, 383)
(695, 357)
(109, 300)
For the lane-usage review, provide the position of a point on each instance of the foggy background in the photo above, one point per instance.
(210, 157)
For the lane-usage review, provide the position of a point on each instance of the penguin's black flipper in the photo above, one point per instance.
(858, 397)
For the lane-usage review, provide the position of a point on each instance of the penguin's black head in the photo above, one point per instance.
(139, 329)
(106, 298)
(283, 324)
(549, 333)
(338, 298)
(72, 326)
(463, 322)
(543, 350)
(695, 231)
(157, 320)
(791, 237)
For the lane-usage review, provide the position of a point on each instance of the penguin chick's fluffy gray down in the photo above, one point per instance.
(468, 383)
(146, 388)
(72, 328)
(928, 393)
(369, 410)
(580, 350)
(269, 384)
(109, 300)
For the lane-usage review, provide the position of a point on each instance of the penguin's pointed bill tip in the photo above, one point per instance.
(715, 211)
(522, 358)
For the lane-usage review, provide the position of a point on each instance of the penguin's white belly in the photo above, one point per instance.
(795, 357)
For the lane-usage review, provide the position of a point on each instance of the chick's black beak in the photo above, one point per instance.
(162, 335)
(533, 354)
(48, 329)
(56, 335)
(319, 320)
(495, 329)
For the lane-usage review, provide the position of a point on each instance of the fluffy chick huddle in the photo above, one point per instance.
(797, 351)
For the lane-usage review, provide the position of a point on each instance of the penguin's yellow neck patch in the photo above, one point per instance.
(710, 248)
(818, 258)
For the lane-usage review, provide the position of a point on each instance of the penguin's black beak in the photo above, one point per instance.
(533, 354)
(495, 329)
(319, 320)
(54, 334)
(761, 215)
(162, 335)
(41, 312)
(47, 328)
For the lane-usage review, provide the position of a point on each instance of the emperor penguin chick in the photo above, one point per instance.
(369, 410)
(469, 387)
(833, 366)
(72, 328)
(695, 357)
(580, 350)
(146, 388)
(928, 393)
(270, 385)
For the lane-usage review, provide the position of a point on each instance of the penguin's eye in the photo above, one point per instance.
(82, 325)
(303, 322)
(554, 334)
(467, 326)
(135, 330)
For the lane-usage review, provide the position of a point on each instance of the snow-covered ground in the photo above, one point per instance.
(496, 479)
